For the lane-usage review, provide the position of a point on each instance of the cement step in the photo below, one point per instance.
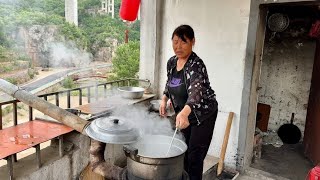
(259, 174)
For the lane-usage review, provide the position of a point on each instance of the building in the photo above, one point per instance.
(230, 38)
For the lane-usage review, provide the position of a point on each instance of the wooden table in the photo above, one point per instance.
(27, 135)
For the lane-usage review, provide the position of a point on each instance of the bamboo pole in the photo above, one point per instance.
(225, 144)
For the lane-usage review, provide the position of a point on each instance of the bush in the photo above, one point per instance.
(126, 61)
(31, 73)
(24, 58)
(68, 83)
(12, 80)
(8, 109)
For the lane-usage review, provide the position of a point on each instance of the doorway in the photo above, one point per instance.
(284, 81)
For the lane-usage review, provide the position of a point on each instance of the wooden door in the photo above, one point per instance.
(312, 128)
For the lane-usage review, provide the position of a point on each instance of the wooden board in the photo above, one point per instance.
(88, 174)
(263, 114)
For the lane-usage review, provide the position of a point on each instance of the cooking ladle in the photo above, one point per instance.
(174, 134)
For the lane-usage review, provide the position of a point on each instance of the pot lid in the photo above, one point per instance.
(112, 130)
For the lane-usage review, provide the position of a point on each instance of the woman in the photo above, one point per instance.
(193, 100)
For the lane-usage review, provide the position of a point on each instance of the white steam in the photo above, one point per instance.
(62, 56)
(9, 1)
(147, 123)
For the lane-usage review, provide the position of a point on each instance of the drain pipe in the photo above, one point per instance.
(99, 165)
(43, 106)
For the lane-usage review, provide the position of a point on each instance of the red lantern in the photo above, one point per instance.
(314, 174)
(129, 9)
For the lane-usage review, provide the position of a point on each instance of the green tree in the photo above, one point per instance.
(93, 31)
(126, 61)
(75, 34)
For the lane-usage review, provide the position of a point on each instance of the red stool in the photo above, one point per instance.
(314, 174)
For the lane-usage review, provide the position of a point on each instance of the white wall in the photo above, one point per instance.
(285, 80)
(71, 11)
(221, 35)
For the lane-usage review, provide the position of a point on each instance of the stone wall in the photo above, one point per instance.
(285, 80)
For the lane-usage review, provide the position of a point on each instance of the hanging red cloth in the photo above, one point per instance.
(129, 9)
(315, 30)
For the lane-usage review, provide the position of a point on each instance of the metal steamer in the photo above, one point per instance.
(146, 156)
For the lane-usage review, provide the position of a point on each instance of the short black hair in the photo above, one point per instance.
(183, 31)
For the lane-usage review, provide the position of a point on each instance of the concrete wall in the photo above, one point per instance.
(226, 41)
(285, 80)
(75, 159)
(71, 11)
(221, 33)
(150, 41)
(251, 78)
(220, 30)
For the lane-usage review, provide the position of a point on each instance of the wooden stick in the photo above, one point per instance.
(225, 144)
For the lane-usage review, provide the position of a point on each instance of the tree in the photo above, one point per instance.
(126, 61)
(93, 32)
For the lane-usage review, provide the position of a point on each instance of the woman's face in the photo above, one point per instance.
(182, 49)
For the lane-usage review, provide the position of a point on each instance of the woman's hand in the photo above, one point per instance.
(163, 107)
(182, 120)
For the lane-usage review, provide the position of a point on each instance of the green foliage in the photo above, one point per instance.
(2, 52)
(8, 109)
(4, 42)
(54, 7)
(73, 33)
(24, 57)
(101, 28)
(117, 4)
(68, 83)
(134, 31)
(126, 61)
(93, 31)
(83, 5)
(7, 68)
(104, 26)
(12, 80)
(31, 73)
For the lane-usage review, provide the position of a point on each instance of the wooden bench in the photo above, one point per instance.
(29, 135)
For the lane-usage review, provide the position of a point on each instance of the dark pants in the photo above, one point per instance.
(198, 139)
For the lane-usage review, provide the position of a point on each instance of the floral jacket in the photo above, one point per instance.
(201, 97)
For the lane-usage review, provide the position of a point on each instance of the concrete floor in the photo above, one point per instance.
(245, 177)
(287, 161)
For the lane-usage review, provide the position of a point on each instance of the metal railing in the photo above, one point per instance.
(88, 89)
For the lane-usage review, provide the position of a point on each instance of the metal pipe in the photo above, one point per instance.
(45, 107)
(98, 163)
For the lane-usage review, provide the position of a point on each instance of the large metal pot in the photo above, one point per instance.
(155, 104)
(146, 158)
(129, 92)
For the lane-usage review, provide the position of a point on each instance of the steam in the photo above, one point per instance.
(42, 43)
(9, 1)
(62, 55)
(147, 123)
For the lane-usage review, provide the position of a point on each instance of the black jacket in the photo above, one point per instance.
(201, 97)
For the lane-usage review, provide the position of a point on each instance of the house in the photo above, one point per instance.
(250, 66)
(230, 38)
